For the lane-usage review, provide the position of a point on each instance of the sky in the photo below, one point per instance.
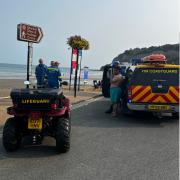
(110, 26)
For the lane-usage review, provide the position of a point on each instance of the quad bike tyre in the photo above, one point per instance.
(63, 134)
(11, 135)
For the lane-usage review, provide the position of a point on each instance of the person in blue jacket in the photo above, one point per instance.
(60, 76)
(53, 75)
(40, 72)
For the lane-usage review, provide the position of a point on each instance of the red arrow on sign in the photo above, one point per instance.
(29, 33)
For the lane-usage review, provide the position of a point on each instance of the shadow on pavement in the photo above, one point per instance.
(93, 115)
(27, 150)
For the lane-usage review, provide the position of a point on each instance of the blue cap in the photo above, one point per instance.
(115, 63)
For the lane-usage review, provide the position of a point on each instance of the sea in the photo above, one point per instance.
(18, 71)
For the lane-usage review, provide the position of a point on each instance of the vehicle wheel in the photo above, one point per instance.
(63, 135)
(11, 135)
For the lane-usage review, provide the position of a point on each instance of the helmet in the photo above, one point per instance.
(115, 64)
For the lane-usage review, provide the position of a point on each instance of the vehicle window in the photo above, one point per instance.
(152, 76)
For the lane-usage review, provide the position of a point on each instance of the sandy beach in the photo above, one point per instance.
(86, 92)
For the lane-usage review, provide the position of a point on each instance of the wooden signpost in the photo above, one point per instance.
(31, 34)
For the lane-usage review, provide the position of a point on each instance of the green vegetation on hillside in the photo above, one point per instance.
(170, 51)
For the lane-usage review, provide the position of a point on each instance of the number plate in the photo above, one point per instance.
(159, 107)
(35, 123)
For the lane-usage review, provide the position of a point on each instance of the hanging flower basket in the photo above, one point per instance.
(77, 42)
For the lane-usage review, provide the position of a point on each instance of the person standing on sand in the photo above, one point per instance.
(115, 90)
(40, 72)
(53, 75)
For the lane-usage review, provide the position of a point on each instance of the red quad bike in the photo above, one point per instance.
(38, 113)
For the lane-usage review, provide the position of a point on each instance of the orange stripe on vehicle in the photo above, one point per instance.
(174, 96)
(148, 98)
(159, 99)
(174, 90)
(166, 98)
(141, 93)
(172, 100)
(177, 89)
(135, 89)
(144, 96)
(138, 91)
(153, 98)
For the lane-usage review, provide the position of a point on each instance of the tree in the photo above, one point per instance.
(171, 51)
